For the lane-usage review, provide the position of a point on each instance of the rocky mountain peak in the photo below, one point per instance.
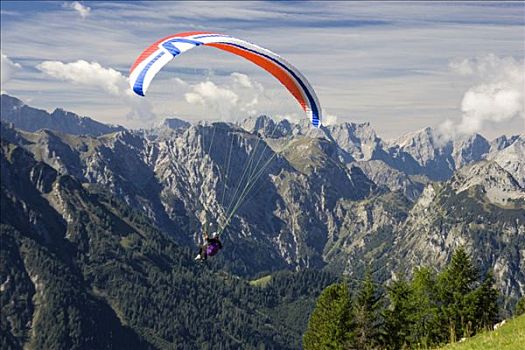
(360, 141)
(469, 149)
(502, 142)
(424, 143)
(60, 112)
(436, 155)
(175, 123)
(268, 127)
(512, 159)
(10, 102)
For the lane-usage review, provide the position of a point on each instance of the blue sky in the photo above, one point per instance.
(399, 65)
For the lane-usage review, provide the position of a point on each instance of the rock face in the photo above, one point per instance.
(31, 119)
(297, 197)
(497, 185)
(392, 179)
(199, 176)
(512, 158)
(360, 141)
(502, 142)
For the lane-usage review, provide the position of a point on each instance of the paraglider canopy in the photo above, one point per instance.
(157, 55)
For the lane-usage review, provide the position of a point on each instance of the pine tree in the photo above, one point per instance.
(425, 326)
(367, 316)
(486, 304)
(398, 316)
(456, 283)
(330, 325)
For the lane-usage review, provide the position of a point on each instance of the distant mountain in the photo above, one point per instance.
(355, 141)
(502, 142)
(424, 152)
(31, 119)
(380, 228)
(403, 164)
(175, 123)
(268, 127)
(497, 185)
(359, 141)
(427, 152)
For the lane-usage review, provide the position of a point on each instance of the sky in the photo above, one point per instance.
(402, 66)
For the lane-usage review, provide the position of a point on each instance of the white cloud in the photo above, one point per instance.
(329, 119)
(86, 73)
(220, 99)
(238, 97)
(92, 74)
(360, 72)
(497, 97)
(77, 6)
(291, 117)
(8, 69)
(242, 80)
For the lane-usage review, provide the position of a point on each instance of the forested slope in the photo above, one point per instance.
(83, 270)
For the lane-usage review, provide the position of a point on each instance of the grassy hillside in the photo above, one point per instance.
(510, 336)
(261, 282)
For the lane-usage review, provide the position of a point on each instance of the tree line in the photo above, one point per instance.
(429, 309)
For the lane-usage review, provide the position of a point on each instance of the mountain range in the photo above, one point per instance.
(338, 199)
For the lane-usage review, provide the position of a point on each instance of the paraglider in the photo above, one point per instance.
(210, 247)
(156, 56)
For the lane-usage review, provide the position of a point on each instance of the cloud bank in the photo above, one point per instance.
(86, 73)
(497, 97)
(92, 74)
(8, 69)
(237, 97)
